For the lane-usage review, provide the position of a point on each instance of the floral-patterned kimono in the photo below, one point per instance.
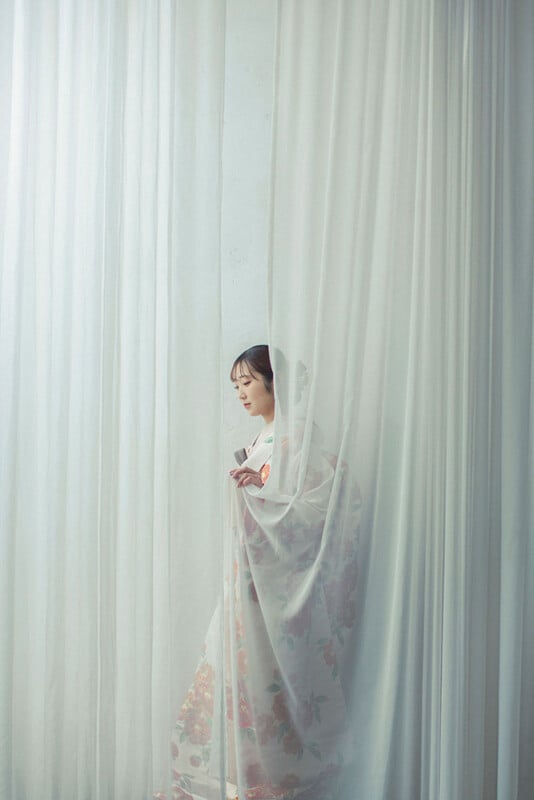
(275, 693)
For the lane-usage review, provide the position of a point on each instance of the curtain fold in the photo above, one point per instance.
(400, 283)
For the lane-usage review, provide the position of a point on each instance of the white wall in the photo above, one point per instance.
(245, 208)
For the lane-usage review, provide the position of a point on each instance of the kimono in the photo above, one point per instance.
(266, 716)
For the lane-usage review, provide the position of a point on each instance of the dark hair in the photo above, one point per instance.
(257, 360)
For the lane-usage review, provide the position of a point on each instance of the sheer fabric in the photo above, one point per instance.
(370, 606)
(109, 301)
(288, 613)
(402, 280)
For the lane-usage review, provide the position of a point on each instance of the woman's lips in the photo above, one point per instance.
(247, 405)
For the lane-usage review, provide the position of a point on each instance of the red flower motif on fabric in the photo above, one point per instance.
(280, 709)
(229, 703)
(197, 711)
(255, 775)
(242, 662)
(263, 792)
(329, 654)
(246, 716)
(239, 630)
(246, 719)
(349, 577)
(348, 613)
(290, 781)
(197, 728)
(267, 728)
(291, 743)
(339, 595)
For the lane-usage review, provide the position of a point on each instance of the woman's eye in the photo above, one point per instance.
(246, 383)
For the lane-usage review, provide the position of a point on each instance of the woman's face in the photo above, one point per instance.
(252, 393)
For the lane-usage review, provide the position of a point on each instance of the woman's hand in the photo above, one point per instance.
(246, 477)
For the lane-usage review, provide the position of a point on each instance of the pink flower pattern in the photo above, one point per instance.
(196, 713)
(288, 715)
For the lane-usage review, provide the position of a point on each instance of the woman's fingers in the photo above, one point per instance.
(252, 480)
(242, 471)
(245, 476)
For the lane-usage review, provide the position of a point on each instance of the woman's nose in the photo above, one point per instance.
(242, 394)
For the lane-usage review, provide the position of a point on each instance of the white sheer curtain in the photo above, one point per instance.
(110, 401)
(401, 289)
(402, 276)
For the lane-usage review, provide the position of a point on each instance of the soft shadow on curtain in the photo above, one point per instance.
(401, 331)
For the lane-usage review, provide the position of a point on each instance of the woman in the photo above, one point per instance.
(287, 609)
